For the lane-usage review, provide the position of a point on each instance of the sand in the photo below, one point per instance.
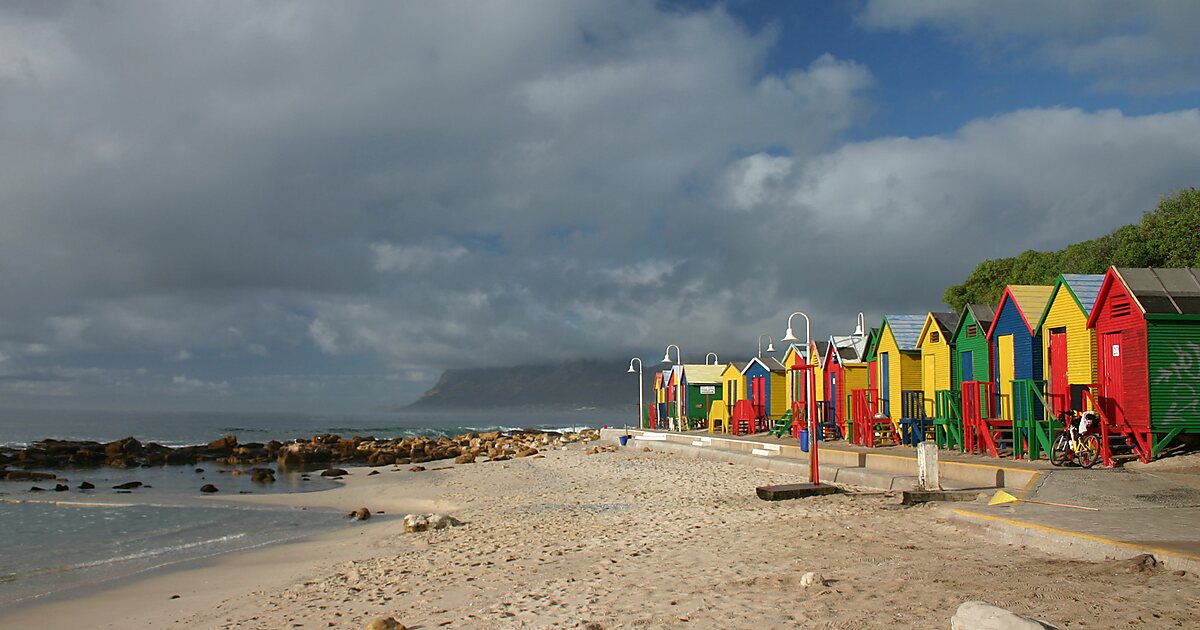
(629, 539)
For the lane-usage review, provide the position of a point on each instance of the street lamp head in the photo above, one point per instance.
(631, 370)
(667, 357)
(770, 347)
(860, 327)
(789, 335)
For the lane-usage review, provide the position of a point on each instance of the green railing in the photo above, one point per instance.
(1033, 425)
(947, 419)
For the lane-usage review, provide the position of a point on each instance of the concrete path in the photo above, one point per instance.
(1138, 513)
(1142, 508)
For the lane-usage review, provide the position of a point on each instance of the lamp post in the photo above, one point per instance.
(716, 361)
(641, 399)
(814, 472)
(679, 360)
(770, 344)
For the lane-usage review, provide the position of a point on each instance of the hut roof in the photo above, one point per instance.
(696, 373)
(1163, 291)
(906, 329)
(1085, 287)
(1031, 301)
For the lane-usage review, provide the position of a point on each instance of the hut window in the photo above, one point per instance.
(1121, 308)
(972, 331)
(935, 337)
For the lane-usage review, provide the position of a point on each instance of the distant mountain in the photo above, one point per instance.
(570, 385)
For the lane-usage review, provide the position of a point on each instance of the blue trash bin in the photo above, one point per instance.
(804, 440)
(623, 439)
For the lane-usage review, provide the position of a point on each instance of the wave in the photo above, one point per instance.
(139, 555)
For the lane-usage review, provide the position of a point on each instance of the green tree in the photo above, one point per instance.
(1168, 236)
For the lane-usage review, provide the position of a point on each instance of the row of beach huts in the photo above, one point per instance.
(993, 379)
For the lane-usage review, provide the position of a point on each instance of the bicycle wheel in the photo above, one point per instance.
(1059, 452)
(1089, 451)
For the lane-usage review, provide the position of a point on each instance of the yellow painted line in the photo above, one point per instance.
(1066, 532)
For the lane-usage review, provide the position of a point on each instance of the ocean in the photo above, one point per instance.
(57, 541)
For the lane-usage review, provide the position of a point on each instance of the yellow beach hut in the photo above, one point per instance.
(1068, 345)
(733, 389)
(937, 357)
(898, 362)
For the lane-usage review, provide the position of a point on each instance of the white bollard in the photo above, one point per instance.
(928, 477)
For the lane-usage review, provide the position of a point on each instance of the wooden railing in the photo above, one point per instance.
(947, 419)
(1034, 425)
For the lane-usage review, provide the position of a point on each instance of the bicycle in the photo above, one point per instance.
(1083, 450)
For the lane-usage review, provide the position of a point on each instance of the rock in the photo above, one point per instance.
(384, 623)
(208, 487)
(647, 449)
(128, 485)
(37, 489)
(61, 487)
(361, 514)
(417, 469)
(86, 485)
(223, 444)
(426, 522)
(1140, 563)
(812, 579)
(25, 475)
(334, 472)
(199, 471)
(465, 458)
(976, 615)
(262, 475)
(373, 472)
(526, 452)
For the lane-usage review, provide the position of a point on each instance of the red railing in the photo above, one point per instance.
(978, 426)
(1141, 444)
(864, 405)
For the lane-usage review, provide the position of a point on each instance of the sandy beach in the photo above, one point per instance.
(621, 540)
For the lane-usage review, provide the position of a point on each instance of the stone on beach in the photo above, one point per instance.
(384, 623)
(208, 487)
(262, 475)
(977, 615)
(812, 579)
(334, 472)
(428, 522)
(128, 485)
(361, 514)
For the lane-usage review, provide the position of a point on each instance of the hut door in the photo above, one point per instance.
(1060, 390)
(1004, 373)
(885, 382)
(758, 385)
(1111, 391)
(968, 366)
(930, 384)
(833, 397)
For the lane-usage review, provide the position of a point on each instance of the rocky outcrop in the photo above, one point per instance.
(320, 451)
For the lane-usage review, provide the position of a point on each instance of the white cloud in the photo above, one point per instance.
(415, 258)
(323, 336)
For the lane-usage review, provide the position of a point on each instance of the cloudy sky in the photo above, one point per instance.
(315, 205)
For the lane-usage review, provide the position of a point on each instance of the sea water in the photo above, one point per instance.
(54, 541)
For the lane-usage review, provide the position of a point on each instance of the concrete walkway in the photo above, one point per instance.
(1140, 511)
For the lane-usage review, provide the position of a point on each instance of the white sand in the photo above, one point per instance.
(622, 540)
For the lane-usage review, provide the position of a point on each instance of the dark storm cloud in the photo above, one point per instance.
(403, 187)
